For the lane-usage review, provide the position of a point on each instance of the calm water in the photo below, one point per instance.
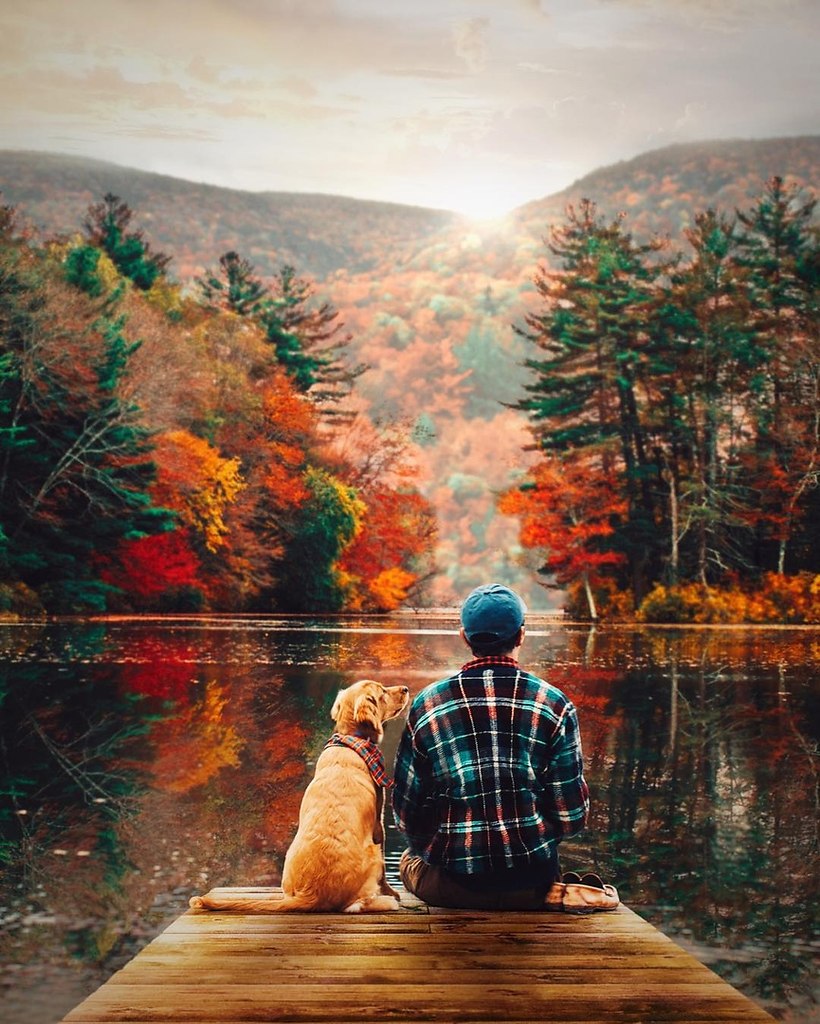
(144, 760)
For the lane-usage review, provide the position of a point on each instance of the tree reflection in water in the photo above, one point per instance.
(146, 760)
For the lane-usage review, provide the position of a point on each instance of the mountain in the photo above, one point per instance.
(429, 297)
(196, 223)
(659, 190)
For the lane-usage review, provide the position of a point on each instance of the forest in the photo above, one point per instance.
(166, 450)
(675, 407)
(627, 415)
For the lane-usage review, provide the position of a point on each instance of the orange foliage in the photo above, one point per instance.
(377, 564)
(567, 510)
(389, 589)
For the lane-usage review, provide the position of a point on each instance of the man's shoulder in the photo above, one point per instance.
(451, 686)
(434, 692)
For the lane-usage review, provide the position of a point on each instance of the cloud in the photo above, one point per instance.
(470, 38)
(410, 99)
(726, 15)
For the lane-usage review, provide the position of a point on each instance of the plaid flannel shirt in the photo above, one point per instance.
(489, 770)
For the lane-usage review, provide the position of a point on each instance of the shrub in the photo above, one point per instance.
(771, 599)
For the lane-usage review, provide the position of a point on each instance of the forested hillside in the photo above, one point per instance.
(196, 223)
(430, 301)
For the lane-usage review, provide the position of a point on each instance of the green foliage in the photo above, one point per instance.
(308, 340)
(107, 226)
(81, 269)
(309, 578)
(696, 380)
(234, 287)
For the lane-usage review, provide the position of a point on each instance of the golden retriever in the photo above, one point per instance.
(336, 860)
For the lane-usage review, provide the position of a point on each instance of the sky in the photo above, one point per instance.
(471, 105)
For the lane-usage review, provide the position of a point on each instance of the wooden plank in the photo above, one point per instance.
(442, 1002)
(374, 975)
(420, 964)
(214, 960)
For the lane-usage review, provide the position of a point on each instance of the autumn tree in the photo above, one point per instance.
(158, 572)
(308, 576)
(390, 555)
(76, 456)
(197, 482)
(569, 510)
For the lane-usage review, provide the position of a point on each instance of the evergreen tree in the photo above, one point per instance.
(81, 269)
(308, 341)
(778, 248)
(593, 333)
(714, 364)
(234, 287)
(107, 226)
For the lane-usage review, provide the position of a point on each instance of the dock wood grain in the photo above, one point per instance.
(420, 964)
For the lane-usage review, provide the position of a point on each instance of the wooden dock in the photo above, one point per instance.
(418, 964)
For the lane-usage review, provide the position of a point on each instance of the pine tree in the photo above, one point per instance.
(106, 226)
(778, 248)
(593, 333)
(712, 361)
(234, 287)
(309, 341)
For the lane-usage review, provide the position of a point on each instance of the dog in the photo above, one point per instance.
(336, 860)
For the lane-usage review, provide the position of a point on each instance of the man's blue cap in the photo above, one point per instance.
(492, 612)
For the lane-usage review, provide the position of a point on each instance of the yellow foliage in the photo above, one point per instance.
(197, 482)
(195, 745)
(165, 295)
(775, 599)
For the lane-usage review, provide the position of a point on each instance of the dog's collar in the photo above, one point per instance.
(368, 751)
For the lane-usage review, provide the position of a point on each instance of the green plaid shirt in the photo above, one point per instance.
(489, 771)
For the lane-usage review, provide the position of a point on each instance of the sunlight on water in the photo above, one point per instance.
(145, 760)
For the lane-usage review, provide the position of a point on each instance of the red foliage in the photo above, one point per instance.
(149, 566)
(566, 512)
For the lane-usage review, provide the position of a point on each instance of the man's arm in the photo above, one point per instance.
(413, 803)
(565, 800)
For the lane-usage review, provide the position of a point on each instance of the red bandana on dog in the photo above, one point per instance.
(369, 752)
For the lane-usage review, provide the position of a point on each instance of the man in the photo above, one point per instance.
(489, 772)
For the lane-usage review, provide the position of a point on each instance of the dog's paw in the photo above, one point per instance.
(354, 908)
(381, 903)
(196, 903)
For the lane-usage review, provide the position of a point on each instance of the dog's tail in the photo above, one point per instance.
(298, 901)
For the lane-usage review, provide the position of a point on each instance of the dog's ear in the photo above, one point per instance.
(366, 711)
(336, 710)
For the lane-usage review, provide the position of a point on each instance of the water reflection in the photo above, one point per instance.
(144, 760)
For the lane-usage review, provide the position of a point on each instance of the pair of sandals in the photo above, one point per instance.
(581, 894)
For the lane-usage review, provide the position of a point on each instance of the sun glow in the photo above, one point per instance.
(479, 200)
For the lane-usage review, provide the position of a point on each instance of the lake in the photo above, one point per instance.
(143, 760)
